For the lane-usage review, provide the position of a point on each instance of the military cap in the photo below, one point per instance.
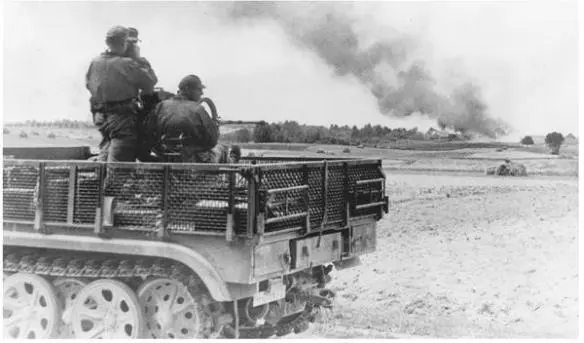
(191, 81)
(133, 35)
(117, 32)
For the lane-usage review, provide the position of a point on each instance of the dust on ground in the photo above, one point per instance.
(466, 256)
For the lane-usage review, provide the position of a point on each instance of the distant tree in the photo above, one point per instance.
(527, 140)
(263, 133)
(242, 135)
(554, 141)
(355, 133)
(570, 138)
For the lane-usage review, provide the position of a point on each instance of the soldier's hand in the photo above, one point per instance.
(143, 61)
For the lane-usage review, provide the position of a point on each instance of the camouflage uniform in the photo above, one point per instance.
(115, 83)
(181, 130)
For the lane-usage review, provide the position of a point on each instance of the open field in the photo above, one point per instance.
(460, 254)
(466, 256)
(421, 156)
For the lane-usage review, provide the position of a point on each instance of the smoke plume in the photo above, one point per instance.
(391, 68)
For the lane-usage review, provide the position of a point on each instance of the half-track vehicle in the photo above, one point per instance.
(179, 250)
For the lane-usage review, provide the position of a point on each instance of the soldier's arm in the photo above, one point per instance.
(211, 130)
(142, 76)
(146, 64)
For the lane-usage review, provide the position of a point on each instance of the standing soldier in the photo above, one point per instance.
(115, 81)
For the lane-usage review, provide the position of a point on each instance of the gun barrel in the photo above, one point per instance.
(240, 122)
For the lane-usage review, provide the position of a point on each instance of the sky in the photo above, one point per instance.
(523, 55)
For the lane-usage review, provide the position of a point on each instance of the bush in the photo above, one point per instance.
(6, 131)
(347, 150)
(527, 140)
(52, 135)
(34, 133)
(554, 141)
(23, 134)
(320, 151)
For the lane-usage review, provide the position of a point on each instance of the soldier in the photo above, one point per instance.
(181, 130)
(115, 82)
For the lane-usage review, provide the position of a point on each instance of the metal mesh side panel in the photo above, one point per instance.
(241, 199)
(284, 203)
(335, 194)
(369, 192)
(316, 202)
(138, 196)
(198, 200)
(19, 183)
(86, 195)
(56, 195)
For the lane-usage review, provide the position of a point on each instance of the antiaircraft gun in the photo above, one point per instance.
(178, 250)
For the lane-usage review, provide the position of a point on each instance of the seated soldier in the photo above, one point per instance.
(181, 130)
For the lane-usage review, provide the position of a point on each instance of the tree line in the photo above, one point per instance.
(59, 124)
(293, 132)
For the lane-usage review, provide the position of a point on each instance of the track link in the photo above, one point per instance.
(128, 270)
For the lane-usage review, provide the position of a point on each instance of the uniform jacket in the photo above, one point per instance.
(178, 115)
(113, 78)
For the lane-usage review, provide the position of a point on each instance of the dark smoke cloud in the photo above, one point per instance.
(402, 84)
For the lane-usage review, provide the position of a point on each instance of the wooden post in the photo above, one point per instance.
(98, 228)
(229, 230)
(346, 192)
(252, 201)
(39, 200)
(306, 196)
(71, 199)
(162, 232)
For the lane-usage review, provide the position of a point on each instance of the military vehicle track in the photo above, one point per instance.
(214, 319)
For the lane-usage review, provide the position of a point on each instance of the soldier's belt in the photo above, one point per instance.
(116, 105)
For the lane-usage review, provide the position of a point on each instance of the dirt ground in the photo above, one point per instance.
(466, 256)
